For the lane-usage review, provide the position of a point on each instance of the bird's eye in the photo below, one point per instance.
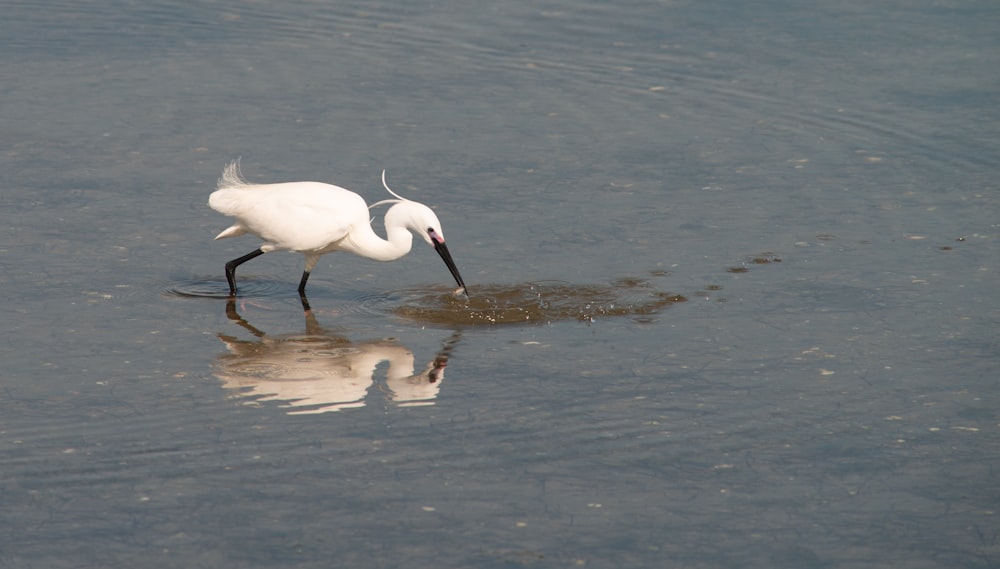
(430, 230)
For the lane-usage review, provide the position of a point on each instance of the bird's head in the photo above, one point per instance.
(421, 220)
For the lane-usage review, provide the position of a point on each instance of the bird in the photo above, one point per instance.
(314, 218)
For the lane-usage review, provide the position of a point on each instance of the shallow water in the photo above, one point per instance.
(732, 271)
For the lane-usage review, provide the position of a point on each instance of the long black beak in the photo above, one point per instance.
(442, 250)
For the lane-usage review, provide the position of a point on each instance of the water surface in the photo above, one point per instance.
(732, 268)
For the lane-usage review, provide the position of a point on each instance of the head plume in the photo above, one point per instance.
(398, 197)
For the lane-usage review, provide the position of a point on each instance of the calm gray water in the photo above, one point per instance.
(755, 244)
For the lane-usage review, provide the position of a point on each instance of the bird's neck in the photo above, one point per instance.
(369, 244)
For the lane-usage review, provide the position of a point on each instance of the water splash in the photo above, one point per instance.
(535, 303)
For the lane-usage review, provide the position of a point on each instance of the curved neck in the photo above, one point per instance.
(365, 242)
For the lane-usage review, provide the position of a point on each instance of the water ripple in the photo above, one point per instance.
(218, 288)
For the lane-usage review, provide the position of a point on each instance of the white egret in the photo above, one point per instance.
(314, 219)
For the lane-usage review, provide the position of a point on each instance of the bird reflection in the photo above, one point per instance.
(321, 371)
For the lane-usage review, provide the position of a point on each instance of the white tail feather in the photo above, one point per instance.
(232, 231)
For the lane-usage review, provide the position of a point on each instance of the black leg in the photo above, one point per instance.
(231, 268)
(302, 291)
(302, 283)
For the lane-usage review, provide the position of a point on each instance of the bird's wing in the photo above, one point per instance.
(303, 216)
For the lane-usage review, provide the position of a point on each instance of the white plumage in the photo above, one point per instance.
(314, 218)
